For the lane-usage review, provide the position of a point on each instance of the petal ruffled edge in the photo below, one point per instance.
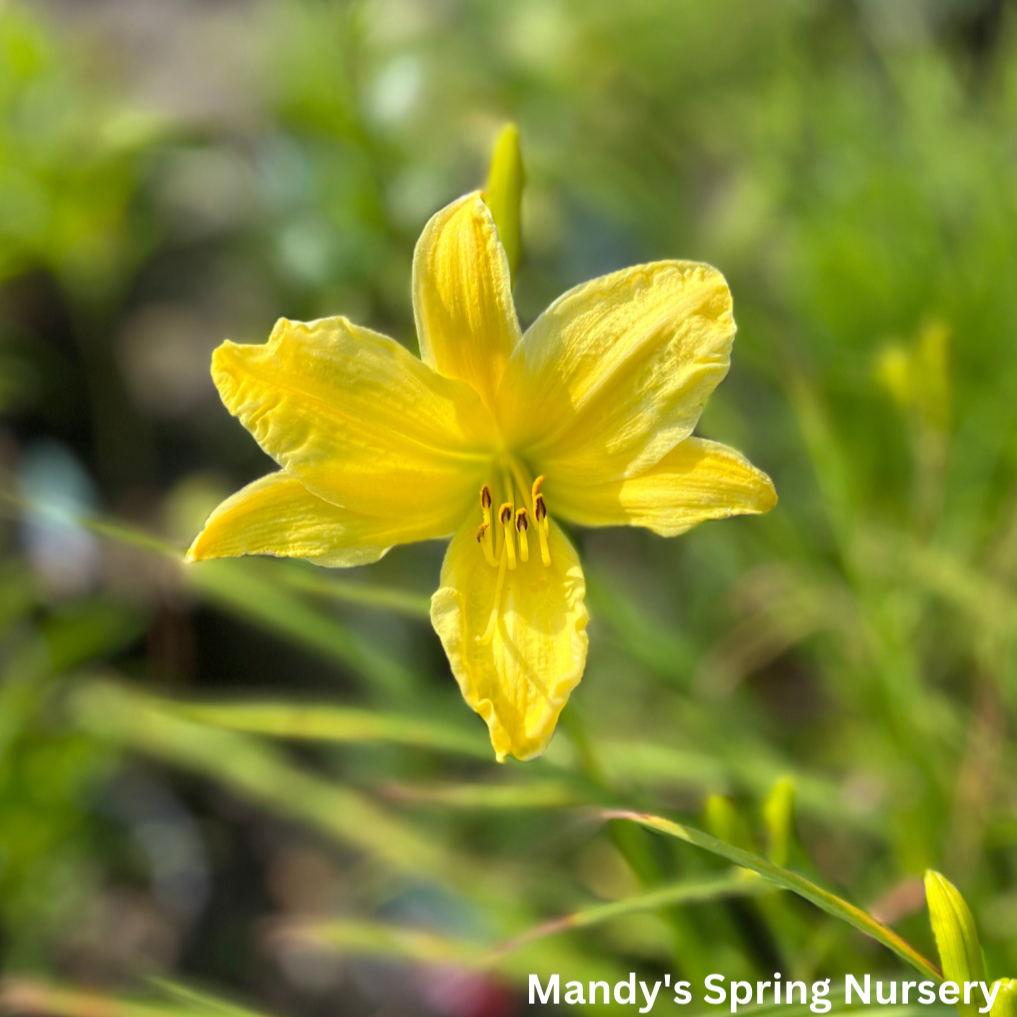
(358, 419)
(519, 678)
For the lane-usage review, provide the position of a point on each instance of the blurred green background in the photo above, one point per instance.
(259, 777)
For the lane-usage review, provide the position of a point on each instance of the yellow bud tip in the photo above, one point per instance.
(953, 925)
(504, 192)
(1006, 998)
(536, 487)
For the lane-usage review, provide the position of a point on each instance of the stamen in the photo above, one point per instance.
(505, 518)
(492, 622)
(540, 518)
(484, 540)
(485, 535)
(522, 525)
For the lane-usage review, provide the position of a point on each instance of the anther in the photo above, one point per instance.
(505, 518)
(484, 540)
(485, 535)
(540, 518)
(522, 525)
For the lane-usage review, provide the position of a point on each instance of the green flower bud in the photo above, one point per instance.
(960, 953)
(779, 817)
(722, 818)
(504, 193)
(1006, 999)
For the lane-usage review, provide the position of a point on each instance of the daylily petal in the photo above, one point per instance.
(518, 673)
(615, 372)
(278, 516)
(359, 420)
(462, 296)
(697, 480)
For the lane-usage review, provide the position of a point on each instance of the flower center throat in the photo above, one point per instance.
(504, 536)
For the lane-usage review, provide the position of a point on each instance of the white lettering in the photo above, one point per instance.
(736, 996)
(892, 1001)
(850, 984)
(820, 990)
(648, 997)
(545, 996)
(789, 991)
(989, 999)
(630, 985)
(574, 995)
(719, 989)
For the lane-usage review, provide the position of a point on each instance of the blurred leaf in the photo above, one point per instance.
(254, 771)
(247, 589)
(538, 794)
(328, 586)
(738, 884)
(26, 996)
(387, 940)
(426, 947)
(338, 724)
(199, 999)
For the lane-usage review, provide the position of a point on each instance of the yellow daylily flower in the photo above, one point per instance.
(491, 436)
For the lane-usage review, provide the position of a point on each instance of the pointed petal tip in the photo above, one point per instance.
(194, 553)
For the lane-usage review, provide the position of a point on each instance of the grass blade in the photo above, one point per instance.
(28, 996)
(787, 880)
(699, 891)
(336, 724)
(538, 794)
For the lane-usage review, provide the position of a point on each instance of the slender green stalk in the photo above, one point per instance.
(787, 880)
